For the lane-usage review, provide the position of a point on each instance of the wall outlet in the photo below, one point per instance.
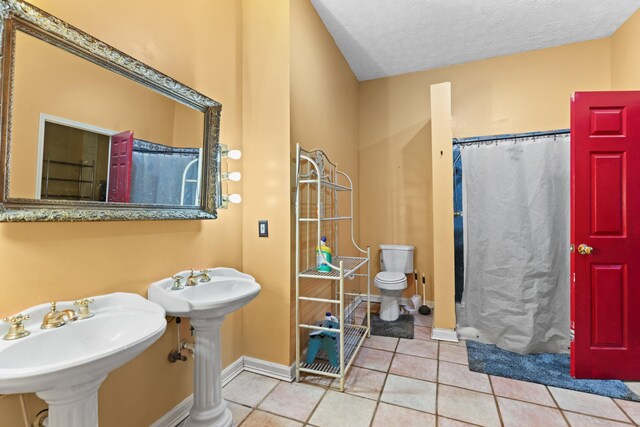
(263, 228)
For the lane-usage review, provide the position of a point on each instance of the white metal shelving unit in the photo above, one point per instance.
(317, 179)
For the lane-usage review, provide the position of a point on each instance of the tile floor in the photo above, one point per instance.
(420, 382)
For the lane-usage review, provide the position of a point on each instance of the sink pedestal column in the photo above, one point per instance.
(73, 406)
(209, 408)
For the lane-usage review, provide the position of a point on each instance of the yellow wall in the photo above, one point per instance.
(266, 189)
(442, 206)
(199, 45)
(625, 61)
(324, 115)
(516, 93)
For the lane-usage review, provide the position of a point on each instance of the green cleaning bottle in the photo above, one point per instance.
(321, 264)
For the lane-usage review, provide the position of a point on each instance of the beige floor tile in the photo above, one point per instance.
(410, 393)
(466, 405)
(460, 376)
(248, 388)
(634, 386)
(381, 343)
(587, 403)
(422, 320)
(263, 419)
(280, 400)
(389, 415)
(418, 348)
(363, 382)
(239, 412)
(522, 414)
(448, 422)
(422, 333)
(579, 420)
(373, 359)
(631, 408)
(522, 390)
(340, 409)
(453, 353)
(415, 367)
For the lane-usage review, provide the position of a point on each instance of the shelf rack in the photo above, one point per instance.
(317, 183)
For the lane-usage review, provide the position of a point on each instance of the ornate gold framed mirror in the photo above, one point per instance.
(89, 133)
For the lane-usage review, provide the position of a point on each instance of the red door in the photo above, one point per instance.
(605, 232)
(120, 167)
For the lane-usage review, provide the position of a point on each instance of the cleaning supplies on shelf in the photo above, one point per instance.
(325, 341)
(331, 318)
(323, 256)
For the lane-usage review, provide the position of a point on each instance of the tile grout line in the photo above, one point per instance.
(495, 399)
(384, 383)
(564, 416)
(326, 390)
(623, 411)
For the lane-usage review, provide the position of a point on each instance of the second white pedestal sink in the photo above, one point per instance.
(66, 365)
(206, 304)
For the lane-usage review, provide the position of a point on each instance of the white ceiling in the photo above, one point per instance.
(381, 38)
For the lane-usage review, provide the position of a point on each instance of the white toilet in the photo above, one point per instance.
(395, 262)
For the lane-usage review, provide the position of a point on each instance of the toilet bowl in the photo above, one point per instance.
(391, 284)
(395, 262)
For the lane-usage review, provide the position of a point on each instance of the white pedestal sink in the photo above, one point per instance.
(65, 366)
(206, 304)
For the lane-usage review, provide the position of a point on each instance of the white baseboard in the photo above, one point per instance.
(269, 369)
(442, 334)
(244, 363)
(176, 414)
(403, 301)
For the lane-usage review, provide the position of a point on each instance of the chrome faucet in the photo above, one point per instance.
(203, 275)
(55, 318)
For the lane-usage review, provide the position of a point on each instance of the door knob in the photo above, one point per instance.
(584, 249)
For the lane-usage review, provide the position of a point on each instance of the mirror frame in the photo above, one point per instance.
(20, 15)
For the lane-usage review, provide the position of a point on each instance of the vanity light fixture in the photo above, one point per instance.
(225, 153)
(230, 198)
(232, 176)
(229, 154)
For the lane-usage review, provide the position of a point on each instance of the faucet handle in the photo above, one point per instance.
(206, 277)
(53, 306)
(16, 328)
(177, 285)
(17, 319)
(83, 312)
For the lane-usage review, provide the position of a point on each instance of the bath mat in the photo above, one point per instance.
(400, 328)
(544, 368)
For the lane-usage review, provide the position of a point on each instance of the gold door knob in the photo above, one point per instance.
(584, 249)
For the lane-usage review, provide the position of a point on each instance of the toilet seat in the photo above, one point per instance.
(391, 280)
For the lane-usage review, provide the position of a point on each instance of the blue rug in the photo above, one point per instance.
(545, 368)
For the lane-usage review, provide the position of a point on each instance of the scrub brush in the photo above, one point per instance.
(424, 309)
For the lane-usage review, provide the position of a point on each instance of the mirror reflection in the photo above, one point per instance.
(83, 133)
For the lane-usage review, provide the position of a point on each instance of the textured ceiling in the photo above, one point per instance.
(381, 38)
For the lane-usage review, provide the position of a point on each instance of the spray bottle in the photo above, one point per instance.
(322, 253)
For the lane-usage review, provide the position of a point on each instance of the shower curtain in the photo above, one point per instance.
(158, 174)
(516, 199)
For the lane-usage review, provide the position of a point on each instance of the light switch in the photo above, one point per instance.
(263, 228)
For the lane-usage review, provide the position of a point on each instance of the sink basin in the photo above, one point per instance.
(227, 291)
(70, 362)
(206, 304)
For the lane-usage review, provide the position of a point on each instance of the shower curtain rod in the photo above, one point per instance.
(490, 139)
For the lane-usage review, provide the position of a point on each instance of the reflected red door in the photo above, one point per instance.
(120, 166)
(605, 231)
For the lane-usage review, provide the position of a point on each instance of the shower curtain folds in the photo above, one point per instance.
(516, 201)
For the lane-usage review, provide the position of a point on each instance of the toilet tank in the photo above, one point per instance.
(397, 258)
